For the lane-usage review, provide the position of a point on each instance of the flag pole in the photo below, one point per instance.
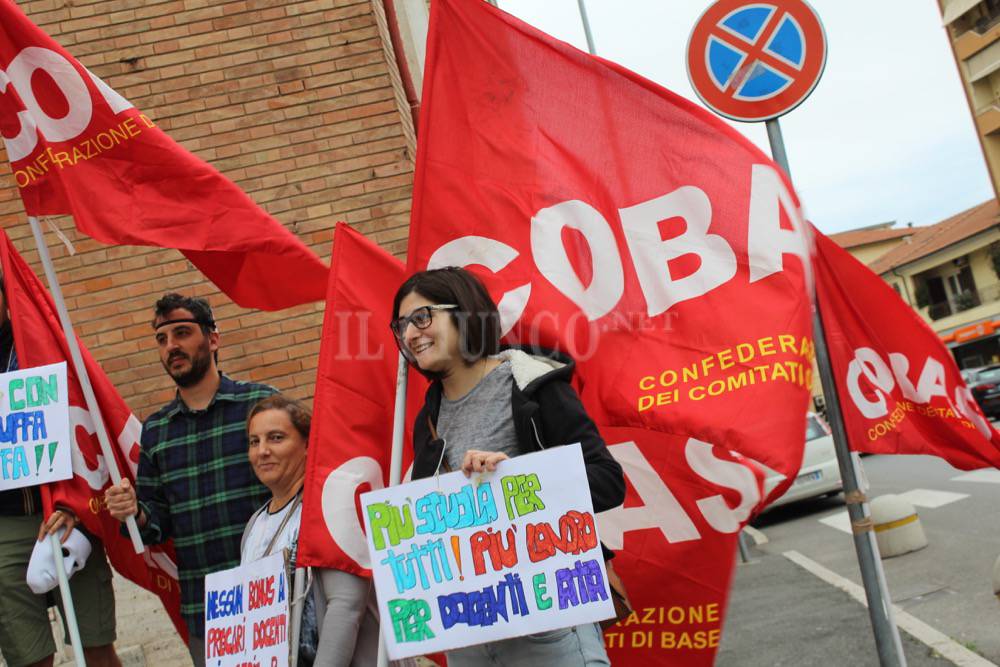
(586, 27)
(395, 462)
(398, 423)
(887, 641)
(81, 372)
(69, 611)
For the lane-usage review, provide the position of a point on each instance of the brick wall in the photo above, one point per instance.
(298, 102)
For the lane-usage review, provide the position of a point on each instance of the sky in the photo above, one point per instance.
(886, 135)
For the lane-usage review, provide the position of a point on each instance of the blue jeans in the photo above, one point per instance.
(566, 647)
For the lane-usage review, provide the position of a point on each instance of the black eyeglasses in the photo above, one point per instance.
(420, 318)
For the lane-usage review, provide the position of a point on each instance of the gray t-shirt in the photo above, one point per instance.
(482, 419)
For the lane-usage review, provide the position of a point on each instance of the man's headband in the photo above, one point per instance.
(185, 320)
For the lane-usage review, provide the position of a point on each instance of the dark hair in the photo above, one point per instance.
(198, 307)
(298, 412)
(476, 317)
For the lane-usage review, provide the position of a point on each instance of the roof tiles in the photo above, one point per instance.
(930, 239)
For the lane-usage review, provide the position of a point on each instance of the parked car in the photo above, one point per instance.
(819, 474)
(985, 386)
(969, 374)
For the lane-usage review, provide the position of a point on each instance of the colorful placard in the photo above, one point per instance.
(246, 615)
(461, 561)
(34, 427)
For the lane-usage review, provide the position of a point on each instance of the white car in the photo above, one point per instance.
(819, 474)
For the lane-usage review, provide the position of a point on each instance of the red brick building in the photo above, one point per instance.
(300, 103)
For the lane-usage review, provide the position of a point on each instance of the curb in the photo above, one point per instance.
(759, 538)
(944, 645)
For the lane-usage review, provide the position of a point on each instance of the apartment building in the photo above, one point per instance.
(973, 28)
(949, 272)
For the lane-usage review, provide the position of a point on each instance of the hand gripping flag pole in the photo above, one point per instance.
(887, 641)
(395, 464)
(81, 372)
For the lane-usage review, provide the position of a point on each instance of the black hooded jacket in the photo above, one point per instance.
(547, 412)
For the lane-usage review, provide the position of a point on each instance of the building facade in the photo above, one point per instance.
(973, 28)
(949, 272)
(300, 102)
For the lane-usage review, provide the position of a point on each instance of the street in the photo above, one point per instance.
(947, 585)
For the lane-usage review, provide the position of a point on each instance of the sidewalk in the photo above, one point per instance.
(146, 637)
(782, 614)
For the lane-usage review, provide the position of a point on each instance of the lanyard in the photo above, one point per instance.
(284, 522)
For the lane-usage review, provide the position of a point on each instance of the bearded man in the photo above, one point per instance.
(194, 484)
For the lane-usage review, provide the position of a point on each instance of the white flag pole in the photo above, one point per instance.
(395, 463)
(81, 372)
(69, 612)
(398, 423)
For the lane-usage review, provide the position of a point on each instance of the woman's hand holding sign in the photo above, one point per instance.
(478, 461)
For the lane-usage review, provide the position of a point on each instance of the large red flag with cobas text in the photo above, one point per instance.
(899, 388)
(634, 231)
(39, 340)
(351, 433)
(78, 147)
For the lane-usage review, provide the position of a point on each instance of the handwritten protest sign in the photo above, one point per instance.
(246, 615)
(34, 427)
(460, 561)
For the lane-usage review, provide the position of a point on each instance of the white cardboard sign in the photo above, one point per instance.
(246, 615)
(34, 427)
(460, 561)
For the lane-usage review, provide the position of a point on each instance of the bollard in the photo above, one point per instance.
(996, 578)
(897, 526)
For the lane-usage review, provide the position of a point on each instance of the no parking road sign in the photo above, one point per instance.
(753, 61)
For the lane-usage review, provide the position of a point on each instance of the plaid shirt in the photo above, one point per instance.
(196, 486)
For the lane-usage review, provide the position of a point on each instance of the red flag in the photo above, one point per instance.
(900, 390)
(77, 147)
(646, 238)
(39, 340)
(355, 392)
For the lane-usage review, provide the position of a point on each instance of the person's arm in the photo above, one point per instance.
(146, 500)
(154, 509)
(346, 598)
(565, 421)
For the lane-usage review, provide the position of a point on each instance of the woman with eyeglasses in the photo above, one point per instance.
(485, 405)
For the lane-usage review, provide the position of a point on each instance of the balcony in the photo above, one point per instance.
(965, 301)
(988, 119)
(983, 63)
(972, 41)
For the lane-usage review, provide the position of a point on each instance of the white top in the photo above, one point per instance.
(263, 529)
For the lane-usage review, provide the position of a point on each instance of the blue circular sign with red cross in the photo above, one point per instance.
(753, 61)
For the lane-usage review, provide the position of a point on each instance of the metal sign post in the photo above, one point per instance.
(887, 640)
(751, 61)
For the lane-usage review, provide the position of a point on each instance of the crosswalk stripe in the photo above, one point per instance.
(841, 521)
(931, 499)
(927, 498)
(986, 475)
